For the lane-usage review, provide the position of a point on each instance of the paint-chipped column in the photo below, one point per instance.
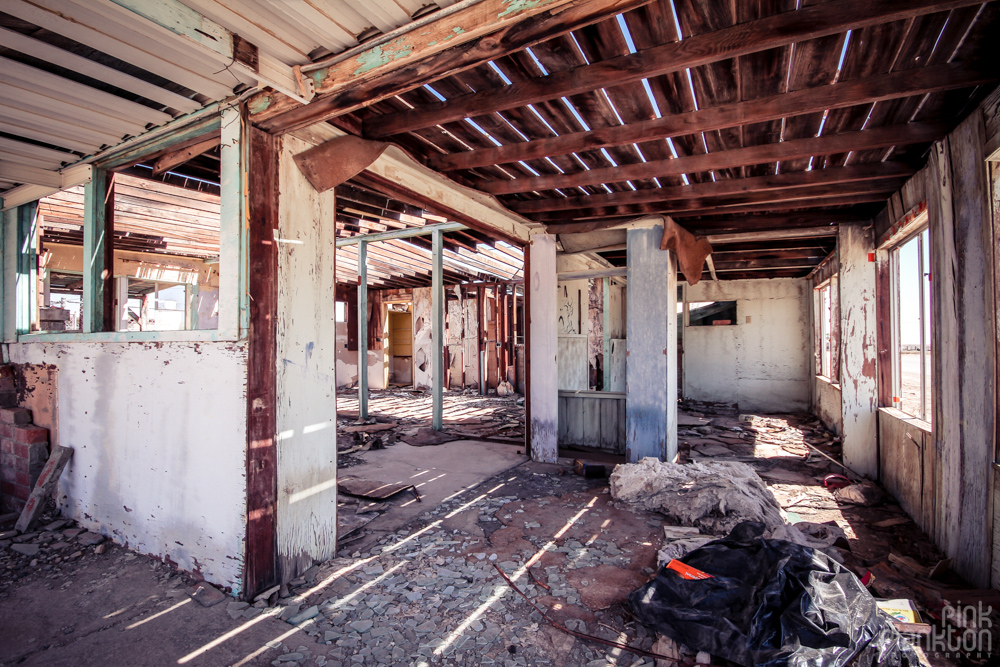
(363, 330)
(858, 376)
(437, 328)
(651, 366)
(542, 377)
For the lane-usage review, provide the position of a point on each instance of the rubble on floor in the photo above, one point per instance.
(715, 496)
(405, 415)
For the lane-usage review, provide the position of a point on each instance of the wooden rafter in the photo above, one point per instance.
(278, 115)
(791, 183)
(868, 90)
(772, 32)
(883, 137)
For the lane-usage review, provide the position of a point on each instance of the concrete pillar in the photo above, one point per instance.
(651, 366)
(542, 377)
(363, 330)
(437, 328)
(858, 364)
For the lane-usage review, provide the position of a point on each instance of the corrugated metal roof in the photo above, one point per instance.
(78, 76)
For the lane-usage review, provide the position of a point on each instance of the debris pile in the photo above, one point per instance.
(713, 496)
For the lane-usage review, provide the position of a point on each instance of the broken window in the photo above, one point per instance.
(711, 313)
(59, 244)
(911, 324)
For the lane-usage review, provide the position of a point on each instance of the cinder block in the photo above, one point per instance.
(30, 435)
(15, 416)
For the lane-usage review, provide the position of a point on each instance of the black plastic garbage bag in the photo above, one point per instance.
(771, 602)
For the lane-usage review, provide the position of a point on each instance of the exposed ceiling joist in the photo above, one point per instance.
(882, 137)
(785, 183)
(868, 90)
(778, 30)
(175, 158)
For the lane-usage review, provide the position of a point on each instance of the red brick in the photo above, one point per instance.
(6, 445)
(8, 460)
(14, 490)
(6, 431)
(15, 416)
(30, 435)
(8, 399)
(9, 474)
(21, 451)
(38, 454)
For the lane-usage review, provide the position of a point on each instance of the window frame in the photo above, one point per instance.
(831, 286)
(233, 296)
(908, 229)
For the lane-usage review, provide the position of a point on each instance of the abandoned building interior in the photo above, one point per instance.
(281, 280)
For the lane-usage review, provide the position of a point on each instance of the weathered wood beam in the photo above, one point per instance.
(872, 89)
(170, 160)
(805, 197)
(882, 137)
(278, 115)
(758, 264)
(735, 274)
(772, 32)
(725, 224)
(776, 185)
(772, 235)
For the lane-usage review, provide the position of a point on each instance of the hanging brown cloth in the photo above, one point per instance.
(331, 163)
(691, 250)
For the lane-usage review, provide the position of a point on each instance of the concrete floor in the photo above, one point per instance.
(440, 472)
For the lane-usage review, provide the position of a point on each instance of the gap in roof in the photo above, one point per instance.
(500, 73)
(482, 131)
(531, 107)
(538, 62)
(968, 29)
(586, 61)
(441, 98)
(511, 126)
(576, 114)
(843, 56)
(626, 33)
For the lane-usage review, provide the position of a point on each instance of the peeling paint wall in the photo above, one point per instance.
(423, 361)
(306, 357)
(763, 364)
(858, 351)
(159, 438)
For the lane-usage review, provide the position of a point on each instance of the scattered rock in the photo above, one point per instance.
(206, 595)
(26, 549)
(90, 539)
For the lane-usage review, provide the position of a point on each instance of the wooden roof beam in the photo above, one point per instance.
(882, 137)
(828, 18)
(920, 81)
(789, 182)
(277, 115)
(804, 197)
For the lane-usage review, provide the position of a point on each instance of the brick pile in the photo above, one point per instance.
(24, 448)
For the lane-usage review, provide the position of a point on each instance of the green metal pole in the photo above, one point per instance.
(363, 330)
(437, 328)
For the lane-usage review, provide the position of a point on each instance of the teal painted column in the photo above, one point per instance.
(26, 282)
(437, 328)
(363, 330)
(96, 269)
(651, 366)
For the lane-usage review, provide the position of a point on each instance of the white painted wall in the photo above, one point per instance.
(762, 365)
(306, 357)
(159, 438)
(827, 404)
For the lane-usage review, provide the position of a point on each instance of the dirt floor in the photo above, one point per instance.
(427, 590)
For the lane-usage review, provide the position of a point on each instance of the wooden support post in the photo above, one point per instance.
(651, 369)
(437, 328)
(363, 330)
(543, 341)
(260, 570)
(606, 314)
